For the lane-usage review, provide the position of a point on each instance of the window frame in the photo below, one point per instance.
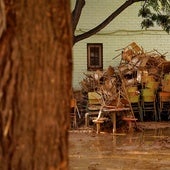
(93, 67)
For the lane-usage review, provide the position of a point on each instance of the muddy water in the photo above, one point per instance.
(147, 150)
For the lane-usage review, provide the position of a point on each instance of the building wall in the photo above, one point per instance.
(118, 34)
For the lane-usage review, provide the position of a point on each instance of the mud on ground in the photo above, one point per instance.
(145, 150)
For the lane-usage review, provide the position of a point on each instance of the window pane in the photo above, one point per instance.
(94, 56)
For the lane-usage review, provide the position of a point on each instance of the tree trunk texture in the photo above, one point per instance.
(35, 85)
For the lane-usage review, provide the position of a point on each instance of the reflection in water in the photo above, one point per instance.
(146, 150)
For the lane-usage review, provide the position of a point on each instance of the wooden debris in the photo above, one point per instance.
(135, 64)
(136, 68)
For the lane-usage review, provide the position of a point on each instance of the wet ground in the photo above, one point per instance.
(146, 150)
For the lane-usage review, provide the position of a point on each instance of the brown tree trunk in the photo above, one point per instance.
(35, 85)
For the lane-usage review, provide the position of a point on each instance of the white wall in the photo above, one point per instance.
(118, 34)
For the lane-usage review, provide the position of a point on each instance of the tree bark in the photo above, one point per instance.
(35, 85)
(76, 13)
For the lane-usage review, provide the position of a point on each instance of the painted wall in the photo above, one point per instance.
(118, 34)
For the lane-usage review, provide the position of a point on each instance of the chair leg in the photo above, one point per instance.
(75, 122)
(98, 127)
(141, 114)
(87, 119)
(98, 122)
(155, 112)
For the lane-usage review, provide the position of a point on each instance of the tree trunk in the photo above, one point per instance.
(35, 85)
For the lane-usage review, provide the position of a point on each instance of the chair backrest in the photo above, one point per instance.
(73, 107)
(152, 85)
(148, 95)
(148, 92)
(148, 98)
(166, 85)
(133, 94)
(94, 98)
(134, 99)
(164, 96)
(73, 103)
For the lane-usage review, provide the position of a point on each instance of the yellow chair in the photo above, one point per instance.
(94, 98)
(136, 106)
(149, 103)
(134, 98)
(95, 109)
(93, 106)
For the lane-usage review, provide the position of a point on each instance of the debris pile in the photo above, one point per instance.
(135, 69)
(123, 85)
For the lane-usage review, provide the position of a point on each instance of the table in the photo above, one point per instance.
(114, 111)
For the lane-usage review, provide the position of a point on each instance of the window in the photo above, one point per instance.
(94, 56)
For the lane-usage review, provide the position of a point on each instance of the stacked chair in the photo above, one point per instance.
(149, 100)
(164, 97)
(134, 98)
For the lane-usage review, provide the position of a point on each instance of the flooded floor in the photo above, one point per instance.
(147, 150)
